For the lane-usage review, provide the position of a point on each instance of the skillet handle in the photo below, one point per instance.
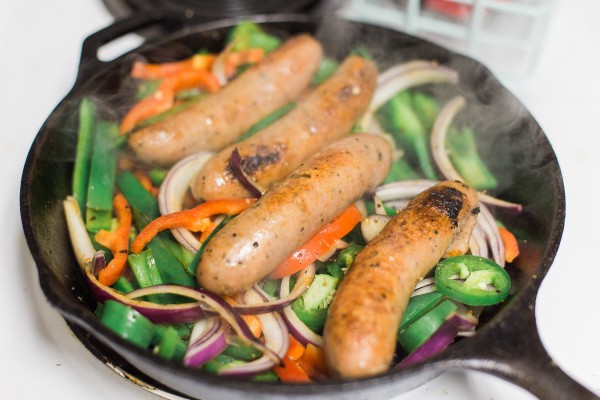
(167, 19)
(513, 351)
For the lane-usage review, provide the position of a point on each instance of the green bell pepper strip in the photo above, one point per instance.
(168, 343)
(146, 273)
(462, 150)
(157, 175)
(248, 35)
(426, 109)
(103, 169)
(127, 323)
(85, 140)
(418, 306)
(217, 363)
(326, 68)
(123, 285)
(399, 118)
(419, 331)
(481, 282)
(194, 264)
(400, 171)
(145, 209)
(242, 351)
(266, 121)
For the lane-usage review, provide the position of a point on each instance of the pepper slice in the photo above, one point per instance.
(421, 330)
(127, 323)
(472, 280)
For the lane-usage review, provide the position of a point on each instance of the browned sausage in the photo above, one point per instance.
(255, 242)
(322, 117)
(361, 327)
(219, 119)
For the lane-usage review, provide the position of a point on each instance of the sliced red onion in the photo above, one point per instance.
(372, 225)
(173, 191)
(401, 69)
(440, 340)
(403, 190)
(305, 278)
(402, 78)
(488, 225)
(80, 240)
(297, 328)
(157, 313)
(477, 242)
(276, 339)
(236, 165)
(208, 339)
(439, 133)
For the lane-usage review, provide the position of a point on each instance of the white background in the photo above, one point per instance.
(39, 51)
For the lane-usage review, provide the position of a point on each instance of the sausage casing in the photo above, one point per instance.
(219, 119)
(255, 242)
(324, 116)
(361, 327)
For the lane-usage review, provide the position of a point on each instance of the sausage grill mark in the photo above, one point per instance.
(446, 200)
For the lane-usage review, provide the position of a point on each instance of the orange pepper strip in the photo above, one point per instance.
(164, 97)
(511, 247)
(313, 362)
(192, 219)
(296, 349)
(251, 320)
(319, 244)
(237, 58)
(117, 241)
(291, 371)
(142, 70)
(159, 102)
(210, 226)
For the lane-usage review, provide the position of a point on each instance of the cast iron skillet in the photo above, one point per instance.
(507, 343)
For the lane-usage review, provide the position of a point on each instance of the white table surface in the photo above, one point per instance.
(39, 52)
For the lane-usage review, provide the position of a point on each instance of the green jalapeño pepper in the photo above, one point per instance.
(472, 280)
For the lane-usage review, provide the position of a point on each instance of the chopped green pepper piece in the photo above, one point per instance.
(271, 287)
(419, 331)
(268, 376)
(426, 109)
(157, 175)
(311, 308)
(472, 280)
(169, 346)
(127, 323)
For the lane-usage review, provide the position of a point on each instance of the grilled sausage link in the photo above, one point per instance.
(322, 117)
(219, 119)
(361, 327)
(255, 242)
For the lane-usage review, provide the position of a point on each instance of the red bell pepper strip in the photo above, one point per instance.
(164, 97)
(117, 241)
(192, 219)
(319, 244)
(142, 70)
